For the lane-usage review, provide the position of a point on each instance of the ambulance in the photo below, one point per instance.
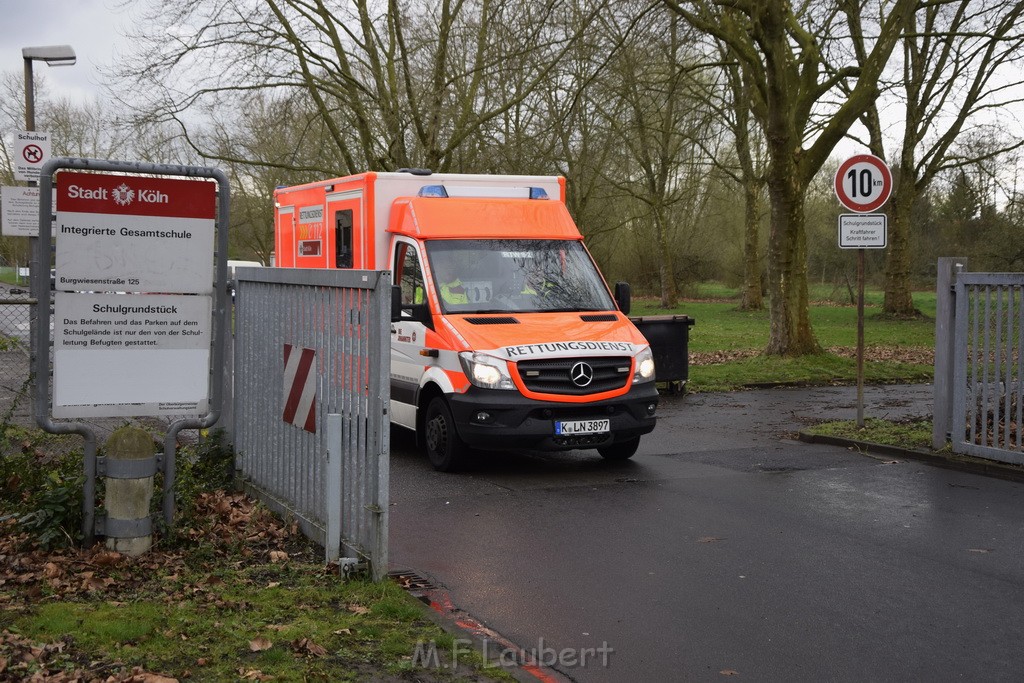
(504, 335)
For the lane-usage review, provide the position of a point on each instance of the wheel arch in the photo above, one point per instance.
(427, 393)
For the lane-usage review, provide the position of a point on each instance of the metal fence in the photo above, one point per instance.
(15, 353)
(979, 370)
(324, 471)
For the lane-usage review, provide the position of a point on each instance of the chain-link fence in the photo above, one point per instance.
(15, 374)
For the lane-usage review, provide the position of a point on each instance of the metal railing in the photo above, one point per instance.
(330, 474)
(979, 371)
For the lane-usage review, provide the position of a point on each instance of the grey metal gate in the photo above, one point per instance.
(333, 327)
(985, 364)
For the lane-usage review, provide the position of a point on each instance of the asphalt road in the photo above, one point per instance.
(727, 548)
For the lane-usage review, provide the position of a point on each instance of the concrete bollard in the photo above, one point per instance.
(130, 456)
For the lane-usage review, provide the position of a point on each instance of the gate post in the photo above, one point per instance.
(945, 333)
(129, 468)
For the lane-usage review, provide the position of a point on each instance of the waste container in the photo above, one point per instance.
(669, 337)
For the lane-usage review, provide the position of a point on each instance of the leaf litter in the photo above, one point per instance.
(29, 574)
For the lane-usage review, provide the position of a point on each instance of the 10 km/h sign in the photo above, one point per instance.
(863, 183)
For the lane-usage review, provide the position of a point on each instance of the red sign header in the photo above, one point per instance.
(135, 195)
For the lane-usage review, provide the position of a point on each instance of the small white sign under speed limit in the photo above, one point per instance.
(862, 231)
(863, 183)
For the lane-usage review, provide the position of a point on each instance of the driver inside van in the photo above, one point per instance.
(448, 281)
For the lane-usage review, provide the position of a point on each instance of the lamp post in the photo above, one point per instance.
(52, 55)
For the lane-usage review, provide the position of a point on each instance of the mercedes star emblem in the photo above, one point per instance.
(581, 374)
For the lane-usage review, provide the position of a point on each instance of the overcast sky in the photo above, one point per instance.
(94, 28)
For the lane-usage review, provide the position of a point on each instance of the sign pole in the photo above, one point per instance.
(860, 338)
(863, 184)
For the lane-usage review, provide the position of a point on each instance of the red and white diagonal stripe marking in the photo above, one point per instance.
(300, 387)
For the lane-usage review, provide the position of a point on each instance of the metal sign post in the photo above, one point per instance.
(863, 184)
(141, 301)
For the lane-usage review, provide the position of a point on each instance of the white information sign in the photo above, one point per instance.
(127, 233)
(31, 151)
(129, 354)
(862, 231)
(133, 308)
(20, 209)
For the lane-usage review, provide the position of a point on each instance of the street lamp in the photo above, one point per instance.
(53, 55)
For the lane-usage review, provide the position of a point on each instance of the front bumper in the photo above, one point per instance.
(514, 421)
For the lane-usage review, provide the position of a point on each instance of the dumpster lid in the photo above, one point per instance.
(662, 319)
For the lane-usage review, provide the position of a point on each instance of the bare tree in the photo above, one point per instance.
(747, 169)
(961, 68)
(787, 54)
(656, 113)
(394, 83)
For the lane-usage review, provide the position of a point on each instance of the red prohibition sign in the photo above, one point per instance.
(863, 183)
(33, 154)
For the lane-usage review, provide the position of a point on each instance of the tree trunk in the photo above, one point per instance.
(790, 333)
(669, 291)
(898, 302)
(752, 299)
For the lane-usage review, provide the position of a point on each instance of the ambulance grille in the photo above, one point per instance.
(506, 320)
(554, 376)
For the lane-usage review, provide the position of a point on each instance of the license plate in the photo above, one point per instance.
(582, 427)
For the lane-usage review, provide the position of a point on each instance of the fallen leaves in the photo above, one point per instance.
(228, 526)
(70, 572)
(305, 646)
(24, 659)
(260, 644)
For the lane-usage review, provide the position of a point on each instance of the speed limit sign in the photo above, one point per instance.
(863, 183)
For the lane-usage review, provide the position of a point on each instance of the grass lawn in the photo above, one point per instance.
(725, 344)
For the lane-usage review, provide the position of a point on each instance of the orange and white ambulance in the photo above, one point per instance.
(507, 336)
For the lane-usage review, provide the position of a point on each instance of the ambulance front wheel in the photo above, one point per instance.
(623, 450)
(445, 448)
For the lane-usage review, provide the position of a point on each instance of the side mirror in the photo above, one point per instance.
(622, 296)
(396, 303)
(417, 312)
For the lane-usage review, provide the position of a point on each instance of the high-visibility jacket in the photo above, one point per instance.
(454, 292)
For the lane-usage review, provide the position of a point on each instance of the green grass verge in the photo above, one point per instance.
(290, 622)
(913, 434)
(238, 619)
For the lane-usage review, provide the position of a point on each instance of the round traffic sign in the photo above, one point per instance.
(863, 183)
(33, 154)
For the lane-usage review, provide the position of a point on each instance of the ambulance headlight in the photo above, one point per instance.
(644, 366)
(486, 371)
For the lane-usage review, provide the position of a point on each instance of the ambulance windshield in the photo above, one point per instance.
(498, 276)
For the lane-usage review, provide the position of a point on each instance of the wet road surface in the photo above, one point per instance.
(726, 546)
